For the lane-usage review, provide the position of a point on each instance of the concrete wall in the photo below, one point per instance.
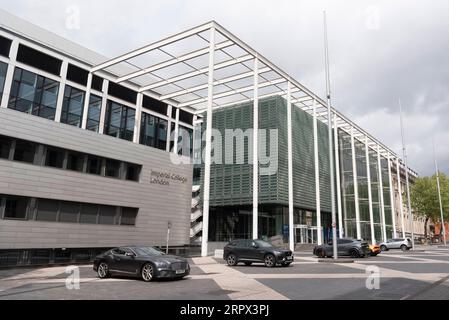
(157, 204)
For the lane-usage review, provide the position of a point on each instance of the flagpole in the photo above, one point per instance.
(443, 227)
(329, 128)
(404, 152)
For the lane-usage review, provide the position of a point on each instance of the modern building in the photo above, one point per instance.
(87, 160)
(84, 161)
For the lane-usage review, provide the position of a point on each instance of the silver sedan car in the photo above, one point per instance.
(399, 243)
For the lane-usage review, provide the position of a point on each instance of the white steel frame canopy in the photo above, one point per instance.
(206, 68)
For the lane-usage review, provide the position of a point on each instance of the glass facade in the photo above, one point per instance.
(72, 107)
(33, 94)
(387, 198)
(347, 185)
(185, 141)
(153, 131)
(3, 70)
(377, 217)
(94, 113)
(362, 185)
(119, 121)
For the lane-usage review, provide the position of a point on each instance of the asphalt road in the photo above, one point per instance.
(397, 276)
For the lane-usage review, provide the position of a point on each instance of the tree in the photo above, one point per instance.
(424, 198)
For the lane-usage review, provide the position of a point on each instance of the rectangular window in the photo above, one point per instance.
(5, 46)
(69, 211)
(107, 215)
(112, 168)
(93, 114)
(39, 60)
(5, 147)
(72, 107)
(121, 92)
(94, 165)
(89, 213)
(128, 217)
(132, 172)
(47, 210)
(119, 121)
(75, 161)
(185, 141)
(55, 157)
(16, 207)
(154, 105)
(3, 70)
(24, 151)
(153, 131)
(33, 94)
(77, 75)
(97, 83)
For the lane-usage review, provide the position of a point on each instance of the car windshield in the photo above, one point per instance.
(148, 251)
(263, 244)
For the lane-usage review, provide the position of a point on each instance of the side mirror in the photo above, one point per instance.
(255, 246)
(130, 254)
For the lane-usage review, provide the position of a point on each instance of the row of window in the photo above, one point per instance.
(26, 208)
(37, 95)
(38, 154)
(3, 69)
(52, 65)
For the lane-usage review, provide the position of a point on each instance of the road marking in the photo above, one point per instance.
(243, 287)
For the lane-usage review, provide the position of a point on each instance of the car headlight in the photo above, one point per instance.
(162, 264)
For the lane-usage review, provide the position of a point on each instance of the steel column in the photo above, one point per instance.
(317, 175)
(381, 196)
(207, 162)
(392, 206)
(337, 176)
(401, 203)
(7, 86)
(290, 168)
(370, 195)
(86, 101)
(256, 150)
(356, 187)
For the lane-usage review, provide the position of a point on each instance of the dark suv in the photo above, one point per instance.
(249, 251)
(345, 247)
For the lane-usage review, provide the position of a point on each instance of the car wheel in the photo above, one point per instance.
(248, 263)
(270, 261)
(404, 247)
(147, 272)
(103, 270)
(320, 253)
(383, 248)
(354, 254)
(232, 260)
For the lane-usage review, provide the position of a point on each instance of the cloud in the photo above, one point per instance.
(380, 51)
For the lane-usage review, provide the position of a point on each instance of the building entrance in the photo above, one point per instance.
(305, 234)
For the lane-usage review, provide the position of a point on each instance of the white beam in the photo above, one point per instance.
(290, 168)
(176, 135)
(401, 204)
(208, 150)
(192, 74)
(153, 46)
(317, 177)
(356, 187)
(393, 209)
(370, 194)
(86, 101)
(233, 92)
(61, 92)
(381, 189)
(7, 85)
(216, 83)
(338, 178)
(168, 63)
(256, 150)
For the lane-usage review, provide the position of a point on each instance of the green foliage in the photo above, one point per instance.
(424, 197)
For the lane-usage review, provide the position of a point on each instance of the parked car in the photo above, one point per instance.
(250, 251)
(374, 249)
(345, 247)
(147, 263)
(398, 243)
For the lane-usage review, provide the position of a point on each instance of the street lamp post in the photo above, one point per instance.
(329, 128)
(407, 182)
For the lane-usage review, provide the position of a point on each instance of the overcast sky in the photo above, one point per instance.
(380, 51)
